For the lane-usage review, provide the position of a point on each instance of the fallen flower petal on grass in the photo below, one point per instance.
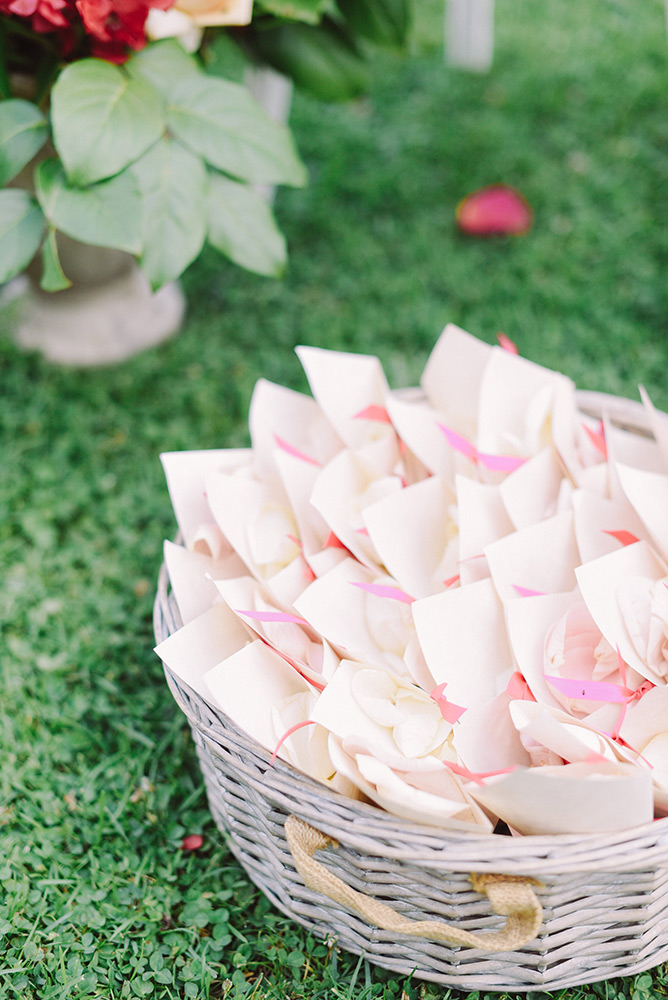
(192, 842)
(498, 210)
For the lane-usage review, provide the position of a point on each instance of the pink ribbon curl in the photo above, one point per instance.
(287, 734)
(495, 463)
(450, 712)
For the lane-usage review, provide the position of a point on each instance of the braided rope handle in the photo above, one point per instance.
(510, 896)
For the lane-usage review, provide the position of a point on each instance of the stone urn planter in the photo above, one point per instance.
(108, 314)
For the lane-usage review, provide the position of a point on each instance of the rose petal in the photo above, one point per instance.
(498, 210)
(192, 842)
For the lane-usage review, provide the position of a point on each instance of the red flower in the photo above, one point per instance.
(52, 14)
(116, 25)
(22, 8)
(47, 17)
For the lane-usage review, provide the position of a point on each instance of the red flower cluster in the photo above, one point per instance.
(46, 17)
(117, 25)
(113, 27)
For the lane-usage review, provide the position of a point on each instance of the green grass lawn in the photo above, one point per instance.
(99, 779)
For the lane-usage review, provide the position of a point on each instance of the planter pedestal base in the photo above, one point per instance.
(99, 324)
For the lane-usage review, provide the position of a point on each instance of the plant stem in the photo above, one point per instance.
(5, 86)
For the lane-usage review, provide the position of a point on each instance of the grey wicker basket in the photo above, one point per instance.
(604, 897)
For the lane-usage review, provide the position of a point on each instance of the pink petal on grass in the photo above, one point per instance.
(498, 210)
(192, 842)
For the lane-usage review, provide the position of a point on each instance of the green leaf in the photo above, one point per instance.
(323, 60)
(242, 226)
(224, 124)
(54, 278)
(23, 132)
(173, 183)
(21, 231)
(163, 65)
(385, 22)
(297, 10)
(225, 57)
(105, 215)
(103, 119)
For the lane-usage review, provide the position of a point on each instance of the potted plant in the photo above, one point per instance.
(119, 130)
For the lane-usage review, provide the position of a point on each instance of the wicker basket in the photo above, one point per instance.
(604, 898)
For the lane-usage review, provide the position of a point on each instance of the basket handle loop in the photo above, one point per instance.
(511, 896)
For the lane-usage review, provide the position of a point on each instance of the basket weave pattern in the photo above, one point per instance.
(604, 897)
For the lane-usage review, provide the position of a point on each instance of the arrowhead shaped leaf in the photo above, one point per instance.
(173, 184)
(102, 119)
(105, 215)
(242, 226)
(222, 122)
(21, 231)
(23, 132)
(164, 65)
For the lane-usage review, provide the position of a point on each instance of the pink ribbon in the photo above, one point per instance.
(286, 735)
(477, 777)
(618, 694)
(495, 463)
(507, 344)
(625, 537)
(450, 712)
(527, 592)
(295, 666)
(295, 452)
(518, 688)
(591, 690)
(597, 438)
(382, 590)
(374, 412)
(332, 542)
(271, 616)
(633, 696)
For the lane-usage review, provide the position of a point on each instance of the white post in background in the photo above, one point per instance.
(274, 92)
(469, 34)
